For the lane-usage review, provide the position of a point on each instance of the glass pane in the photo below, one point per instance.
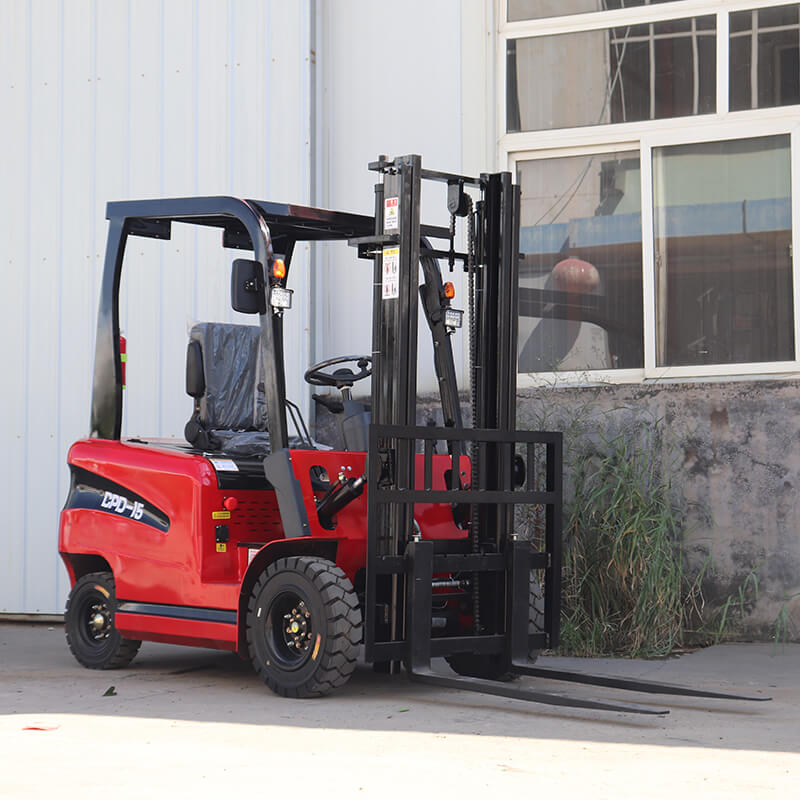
(537, 9)
(580, 285)
(722, 226)
(764, 58)
(638, 72)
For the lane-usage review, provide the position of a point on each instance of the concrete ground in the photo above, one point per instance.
(197, 723)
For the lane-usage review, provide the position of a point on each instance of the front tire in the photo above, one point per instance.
(303, 627)
(89, 623)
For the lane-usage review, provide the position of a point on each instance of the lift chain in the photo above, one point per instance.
(473, 372)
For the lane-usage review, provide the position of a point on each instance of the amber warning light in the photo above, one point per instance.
(449, 290)
(279, 269)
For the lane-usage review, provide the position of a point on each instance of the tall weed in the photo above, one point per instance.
(626, 586)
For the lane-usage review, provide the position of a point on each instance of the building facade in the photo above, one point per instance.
(124, 99)
(656, 146)
(655, 143)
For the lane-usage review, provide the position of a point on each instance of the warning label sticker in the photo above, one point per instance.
(391, 273)
(390, 214)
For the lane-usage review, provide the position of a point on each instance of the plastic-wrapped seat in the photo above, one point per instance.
(224, 376)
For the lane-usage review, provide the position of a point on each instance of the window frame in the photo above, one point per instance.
(644, 136)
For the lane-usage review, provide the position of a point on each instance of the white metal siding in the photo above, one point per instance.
(107, 101)
(389, 83)
(114, 99)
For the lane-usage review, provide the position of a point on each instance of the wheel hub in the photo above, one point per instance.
(297, 628)
(99, 621)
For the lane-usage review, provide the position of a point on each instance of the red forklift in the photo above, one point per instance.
(407, 538)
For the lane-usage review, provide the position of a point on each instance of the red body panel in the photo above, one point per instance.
(197, 633)
(183, 567)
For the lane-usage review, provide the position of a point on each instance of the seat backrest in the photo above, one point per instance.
(224, 377)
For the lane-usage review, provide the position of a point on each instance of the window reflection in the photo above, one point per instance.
(580, 294)
(626, 74)
(722, 230)
(764, 58)
(537, 9)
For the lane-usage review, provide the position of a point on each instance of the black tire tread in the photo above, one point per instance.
(343, 622)
(125, 650)
(495, 667)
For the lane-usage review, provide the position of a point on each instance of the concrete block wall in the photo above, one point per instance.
(738, 466)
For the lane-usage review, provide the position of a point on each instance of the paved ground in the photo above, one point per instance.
(197, 723)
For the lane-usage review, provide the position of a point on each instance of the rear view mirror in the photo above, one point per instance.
(247, 287)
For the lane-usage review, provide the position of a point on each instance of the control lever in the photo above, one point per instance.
(344, 491)
(334, 406)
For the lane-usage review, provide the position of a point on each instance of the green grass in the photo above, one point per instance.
(626, 591)
(785, 628)
(626, 586)
(734, 609)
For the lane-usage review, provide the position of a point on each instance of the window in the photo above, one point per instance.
(625, 74)
(581, 274)
(765, 58)
(536, 9)
(722, 232)
(655, 154)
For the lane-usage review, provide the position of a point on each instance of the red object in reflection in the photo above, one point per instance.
(576, 275)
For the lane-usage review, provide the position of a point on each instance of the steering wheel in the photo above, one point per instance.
(341, 377)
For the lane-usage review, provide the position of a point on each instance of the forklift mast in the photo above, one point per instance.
(496, 565)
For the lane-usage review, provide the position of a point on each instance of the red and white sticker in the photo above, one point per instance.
(391, 218)
(391, 273)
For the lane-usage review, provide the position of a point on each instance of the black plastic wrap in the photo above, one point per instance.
(233, 411)
(242, 443)
(232, 400)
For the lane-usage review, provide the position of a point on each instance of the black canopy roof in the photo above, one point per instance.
(153, 218)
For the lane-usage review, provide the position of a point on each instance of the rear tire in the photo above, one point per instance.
(89, 623)
(303, 627)
(496, 667)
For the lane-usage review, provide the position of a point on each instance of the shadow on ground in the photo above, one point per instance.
(38, 676)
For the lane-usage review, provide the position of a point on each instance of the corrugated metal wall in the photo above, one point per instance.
(389, 83)
(106, 100)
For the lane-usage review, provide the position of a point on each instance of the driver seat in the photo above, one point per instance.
(224, 376)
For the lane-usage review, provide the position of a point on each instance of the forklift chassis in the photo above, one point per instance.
(414, 550)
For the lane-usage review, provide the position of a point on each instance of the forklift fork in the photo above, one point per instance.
(419, 562)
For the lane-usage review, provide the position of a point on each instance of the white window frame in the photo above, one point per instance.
(723, 125)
